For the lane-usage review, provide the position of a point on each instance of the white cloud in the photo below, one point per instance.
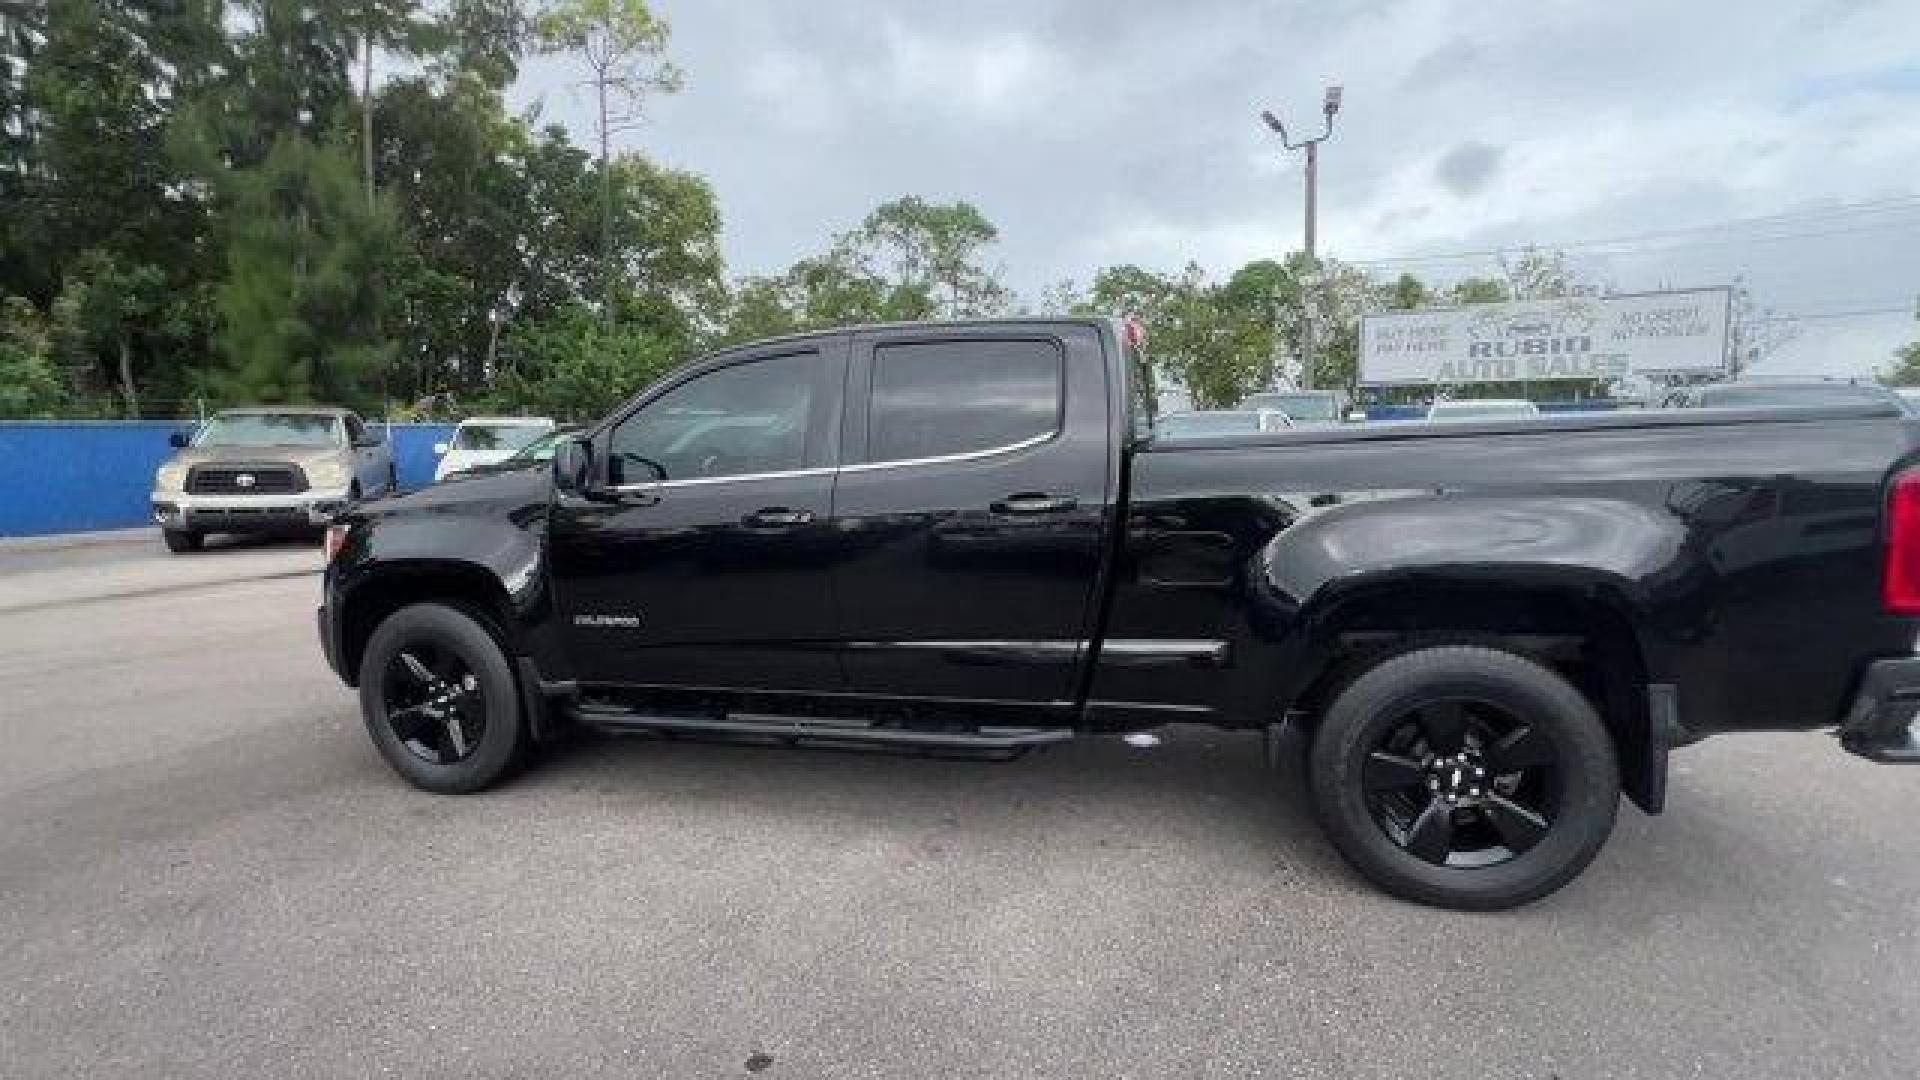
(1096, 132)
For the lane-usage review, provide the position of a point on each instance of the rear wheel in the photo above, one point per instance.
(1464, 777)
(183, 540)
(440, 700)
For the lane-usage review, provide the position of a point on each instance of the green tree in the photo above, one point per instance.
(929, 254)
(575, 365)
(483, 38)
(30, 382)
(290, 77)
(622, 43)
(304, 255)
(105, 309)
(396, 25)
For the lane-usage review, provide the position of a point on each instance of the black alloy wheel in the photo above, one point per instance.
(440, 699)
(1460, 782)
(1464, 776)
(434, 704)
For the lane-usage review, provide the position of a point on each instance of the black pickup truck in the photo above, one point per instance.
(965, 537)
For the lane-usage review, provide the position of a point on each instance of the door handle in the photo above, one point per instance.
(774, 517)
(1033, 502)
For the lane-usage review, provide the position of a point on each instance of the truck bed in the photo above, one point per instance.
(1741, 550)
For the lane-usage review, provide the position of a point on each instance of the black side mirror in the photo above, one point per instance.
(573, 467)
(180, 440)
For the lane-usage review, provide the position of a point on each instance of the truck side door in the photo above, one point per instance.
(703, 562)
(971, 511)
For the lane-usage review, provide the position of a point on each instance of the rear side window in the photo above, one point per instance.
(935, 398)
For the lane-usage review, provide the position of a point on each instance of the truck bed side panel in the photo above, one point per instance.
(1745, 556)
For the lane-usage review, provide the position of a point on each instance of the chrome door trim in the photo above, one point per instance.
(943, 459)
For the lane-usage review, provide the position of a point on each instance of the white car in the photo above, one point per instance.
(1482, 409)
(485, 440)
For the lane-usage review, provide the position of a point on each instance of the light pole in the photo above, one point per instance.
(1329, 106)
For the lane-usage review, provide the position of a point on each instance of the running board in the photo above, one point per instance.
(796, 729)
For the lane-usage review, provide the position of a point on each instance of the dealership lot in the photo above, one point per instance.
(205, 869)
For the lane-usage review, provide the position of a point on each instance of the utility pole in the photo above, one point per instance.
(1330, 106)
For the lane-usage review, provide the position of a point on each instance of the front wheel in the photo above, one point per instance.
(1464, 777)
(440, 700)
(180, 541)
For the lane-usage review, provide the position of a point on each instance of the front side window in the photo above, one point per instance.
(935, 398)
(735, 421)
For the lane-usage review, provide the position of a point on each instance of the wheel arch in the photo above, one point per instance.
(386, 589)
(1582, 624)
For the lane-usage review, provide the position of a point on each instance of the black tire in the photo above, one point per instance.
(1520, 842)
(454, 645)
(180, 541)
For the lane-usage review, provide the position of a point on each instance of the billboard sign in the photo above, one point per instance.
(1581, 337)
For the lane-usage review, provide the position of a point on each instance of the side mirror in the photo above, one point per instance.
(440, 449)
(180, 440)
(572, 466)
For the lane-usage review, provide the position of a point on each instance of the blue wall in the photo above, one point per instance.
(72, 475)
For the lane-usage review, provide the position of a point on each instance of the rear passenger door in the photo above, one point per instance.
(970, 511)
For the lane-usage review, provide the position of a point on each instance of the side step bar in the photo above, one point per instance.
(823, 730)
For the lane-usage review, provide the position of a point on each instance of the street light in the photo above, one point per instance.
(1328, 107)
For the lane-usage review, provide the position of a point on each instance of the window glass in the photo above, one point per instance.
(496, 437)
(747, 418)
(270, 429)
(951, 397)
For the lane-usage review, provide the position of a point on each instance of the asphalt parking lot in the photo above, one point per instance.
(205, 870)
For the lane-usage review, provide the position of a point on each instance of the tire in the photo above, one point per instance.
(180, 541)
(466, 746)
(1386, 783)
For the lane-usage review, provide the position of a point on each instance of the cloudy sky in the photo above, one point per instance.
(1107, 131)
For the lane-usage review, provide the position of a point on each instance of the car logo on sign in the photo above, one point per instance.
(244, 479)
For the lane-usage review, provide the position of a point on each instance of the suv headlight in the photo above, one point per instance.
(169, 476)
(326, 474)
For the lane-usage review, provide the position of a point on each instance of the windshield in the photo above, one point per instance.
(496, 437)
(270, 429)
(1308, 408)
(1759, 396)
(1460, 410)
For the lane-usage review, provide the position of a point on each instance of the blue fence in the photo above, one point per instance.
(72, 475)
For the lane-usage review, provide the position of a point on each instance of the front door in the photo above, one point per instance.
(705, 561)
(970, 513)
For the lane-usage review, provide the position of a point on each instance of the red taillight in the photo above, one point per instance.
(1900, 585)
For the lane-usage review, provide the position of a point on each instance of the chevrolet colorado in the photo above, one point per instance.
(968, 536)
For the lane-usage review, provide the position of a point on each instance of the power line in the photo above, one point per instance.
(1831, 215)
(1854, 314)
